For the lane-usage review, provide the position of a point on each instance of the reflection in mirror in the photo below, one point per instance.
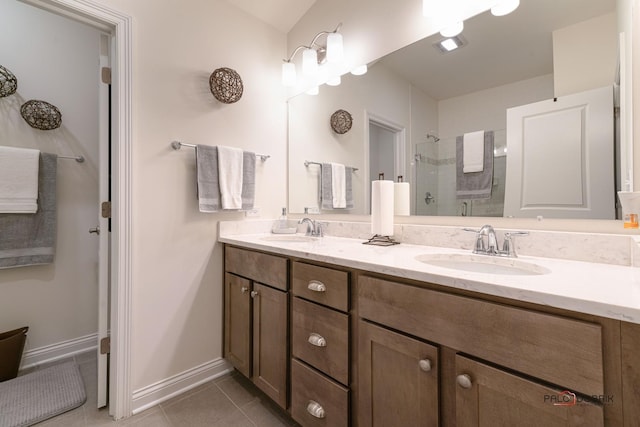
(413, 104)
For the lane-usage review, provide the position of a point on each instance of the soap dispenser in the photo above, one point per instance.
(281, 225)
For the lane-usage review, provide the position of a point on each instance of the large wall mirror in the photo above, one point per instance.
(413, 104)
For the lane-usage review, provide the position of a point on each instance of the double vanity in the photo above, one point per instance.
(338, 333)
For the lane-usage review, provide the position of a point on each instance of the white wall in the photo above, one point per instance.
(55, 60)
(585, 55)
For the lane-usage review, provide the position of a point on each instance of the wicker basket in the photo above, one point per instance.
(41, 115)
(8, 82)
(341, 121)
(226, 85)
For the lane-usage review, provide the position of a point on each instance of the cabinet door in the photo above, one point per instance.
(237, 326)
(398, 379)
(270, 342)
(490, 397)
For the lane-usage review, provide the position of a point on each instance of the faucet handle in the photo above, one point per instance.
(508, 247)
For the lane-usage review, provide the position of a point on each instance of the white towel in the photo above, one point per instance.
(338, 186)
(473, 152)
(230, 177)
(19, 180)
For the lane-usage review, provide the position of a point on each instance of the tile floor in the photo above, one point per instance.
(228, 401)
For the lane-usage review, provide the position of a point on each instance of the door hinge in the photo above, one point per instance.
(106, 209)
(105, 345)
(106, 75)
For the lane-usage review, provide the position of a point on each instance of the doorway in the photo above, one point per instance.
(386, 152)
(118, 26)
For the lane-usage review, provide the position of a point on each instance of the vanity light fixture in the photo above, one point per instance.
(360, 70)
(452, 30)
(504, 7)
(314, 56)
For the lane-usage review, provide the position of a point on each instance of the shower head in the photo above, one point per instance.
(434, 137)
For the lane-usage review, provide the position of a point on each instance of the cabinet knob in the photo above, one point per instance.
(317, 340)
(425, 365)
(316, 286)
(254, 294)
(244, 289)
(315, 409)
(464, 381)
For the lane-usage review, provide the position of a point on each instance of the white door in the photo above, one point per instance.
(560, 157)
(103, 229)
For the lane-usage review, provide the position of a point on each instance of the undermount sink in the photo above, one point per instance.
(483, 264)
(289, 238)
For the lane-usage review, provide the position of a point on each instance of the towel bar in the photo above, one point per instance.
(176, 145)
(79, 159)
(307, 163)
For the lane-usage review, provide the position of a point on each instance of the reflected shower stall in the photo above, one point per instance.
(435, 178)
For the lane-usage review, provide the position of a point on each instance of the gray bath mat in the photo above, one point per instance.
(41, 394)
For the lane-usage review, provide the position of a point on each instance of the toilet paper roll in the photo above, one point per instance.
(401, 198)
(382, 207)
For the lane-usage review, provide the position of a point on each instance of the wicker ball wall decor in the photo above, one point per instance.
(341, 121)
(226, 85)
(41, 115)
(8, 82)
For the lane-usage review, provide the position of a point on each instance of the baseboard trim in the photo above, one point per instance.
(161, 391)
(57, 351)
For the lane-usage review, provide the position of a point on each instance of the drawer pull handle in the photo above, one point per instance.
(425, 365)
(464, 381)
(254, 294)
(244, 289)
(315, 409)
(316, 286)
(317, 340)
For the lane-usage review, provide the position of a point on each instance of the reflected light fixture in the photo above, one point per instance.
(505, 7)
(450, 44)
(314, 56)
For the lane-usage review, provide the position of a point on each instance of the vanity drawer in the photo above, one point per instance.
(312, 392)
(320, 337)
(556, 349)
(264, 268)
(322, 285)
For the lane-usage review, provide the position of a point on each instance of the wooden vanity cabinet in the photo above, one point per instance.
(504, 361)
(256, 319)
(320, 341)
(361, 349)
(487, 396)
(398, 379)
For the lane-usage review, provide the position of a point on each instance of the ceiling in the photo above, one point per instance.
(500, 50)
(281, 14)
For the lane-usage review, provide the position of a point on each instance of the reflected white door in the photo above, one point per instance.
(104, 234)
(560, 157)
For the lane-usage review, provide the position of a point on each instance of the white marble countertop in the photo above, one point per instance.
(605, 290)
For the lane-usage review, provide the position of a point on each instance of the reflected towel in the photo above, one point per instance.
(31, 239)
(475, 185)
(230, 167)
(326, 187)
(19, 180)
(208, 190)
(338, 186)
(473, 152)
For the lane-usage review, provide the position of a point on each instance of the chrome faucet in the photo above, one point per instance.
(487, 233)
(314, 228)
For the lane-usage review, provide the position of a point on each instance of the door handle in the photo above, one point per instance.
(95, 230)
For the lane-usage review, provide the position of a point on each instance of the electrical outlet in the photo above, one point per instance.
(314, 210)
(252, 213)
